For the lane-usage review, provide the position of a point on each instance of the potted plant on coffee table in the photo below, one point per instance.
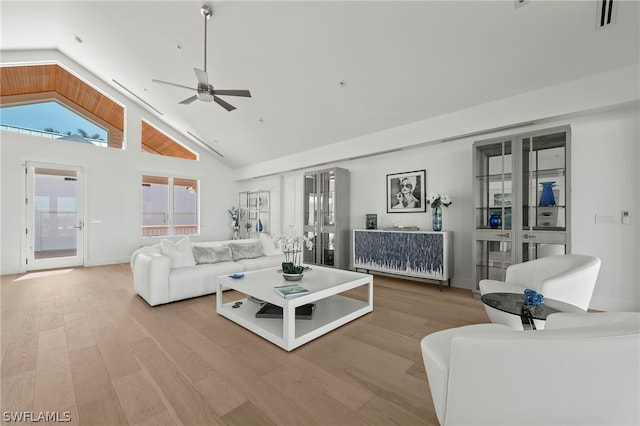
(292, 247)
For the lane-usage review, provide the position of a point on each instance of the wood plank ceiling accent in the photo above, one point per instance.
(156, 142)
(33, 83)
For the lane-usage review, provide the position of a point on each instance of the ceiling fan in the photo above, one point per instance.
(205, 91)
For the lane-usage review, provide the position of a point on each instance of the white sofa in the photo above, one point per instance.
(582, 369)
(166, 272)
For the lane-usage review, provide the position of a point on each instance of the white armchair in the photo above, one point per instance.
(582, 369)
(568, 278)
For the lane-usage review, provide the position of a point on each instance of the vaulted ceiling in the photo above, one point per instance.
(325, 71)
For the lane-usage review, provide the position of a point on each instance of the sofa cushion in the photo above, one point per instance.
(179, 253)
(249, 249)
(211, 254)
(262, 262)
(268, 247)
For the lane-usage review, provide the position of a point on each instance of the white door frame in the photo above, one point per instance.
(31, 263)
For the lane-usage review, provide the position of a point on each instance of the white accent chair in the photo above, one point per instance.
(568, 278)
(582, 369)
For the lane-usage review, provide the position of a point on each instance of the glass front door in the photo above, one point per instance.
(55, 220)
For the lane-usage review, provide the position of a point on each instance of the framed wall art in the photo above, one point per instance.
(406, 192)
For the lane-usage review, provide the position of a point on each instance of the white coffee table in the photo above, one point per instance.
(324, 284)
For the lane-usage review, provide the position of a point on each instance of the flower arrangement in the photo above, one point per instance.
(436, 200)
(292, 248)
(236, 214)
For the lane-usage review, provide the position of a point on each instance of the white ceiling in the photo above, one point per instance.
(400, 62)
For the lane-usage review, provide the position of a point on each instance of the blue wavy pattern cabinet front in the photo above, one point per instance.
(417, 254)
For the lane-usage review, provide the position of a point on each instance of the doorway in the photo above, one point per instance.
(55, 216)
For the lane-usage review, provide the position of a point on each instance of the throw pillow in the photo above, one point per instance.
(212, 254)
(246, 250)
(179, 253)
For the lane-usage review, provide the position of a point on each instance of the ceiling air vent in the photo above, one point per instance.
(606, 13)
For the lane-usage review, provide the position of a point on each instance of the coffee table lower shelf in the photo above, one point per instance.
(329, 314)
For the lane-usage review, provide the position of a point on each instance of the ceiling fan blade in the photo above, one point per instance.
(201, 76)
(224, 104)
(172, 84)
(189, 100)
(244, 93)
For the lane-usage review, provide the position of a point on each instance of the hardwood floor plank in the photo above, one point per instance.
(403, 346)
(97, 402)
(404, 390)
(78, 333)
(51, 315)
(303, 388)
(162, 419)
(17, 392)
(381, 411)
(138, 398)
(187, 402)
(53, 389)
(222, 397)
(22, 350)
(351, 394)
(115, 352)
(247, 415)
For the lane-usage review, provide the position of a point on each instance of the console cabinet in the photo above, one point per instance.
(417, 254)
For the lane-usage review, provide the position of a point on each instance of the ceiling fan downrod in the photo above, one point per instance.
(206, 12)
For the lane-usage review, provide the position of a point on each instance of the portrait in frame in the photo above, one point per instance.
(406, 192)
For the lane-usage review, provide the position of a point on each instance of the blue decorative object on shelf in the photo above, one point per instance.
(495, 221)
(437, 218)
(532, 298)
(259, 226)
(547, 198)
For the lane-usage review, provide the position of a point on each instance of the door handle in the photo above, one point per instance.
(80, 225)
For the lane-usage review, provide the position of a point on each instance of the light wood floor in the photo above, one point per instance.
(81, 341)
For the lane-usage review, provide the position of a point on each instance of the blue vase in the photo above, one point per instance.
(547, 198)
(437, 218)
(495, 221)
(259, 226)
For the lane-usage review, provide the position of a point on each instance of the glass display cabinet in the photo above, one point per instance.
(521, 200)
(255, 205)
(326, 217)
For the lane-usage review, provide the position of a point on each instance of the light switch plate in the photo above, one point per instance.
(625, 217)
(611, 218)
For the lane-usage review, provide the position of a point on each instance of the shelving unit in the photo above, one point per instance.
(326, 217)
(508, 173)
(255, 205)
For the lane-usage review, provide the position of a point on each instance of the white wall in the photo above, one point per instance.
(112, 185)
(605, 180)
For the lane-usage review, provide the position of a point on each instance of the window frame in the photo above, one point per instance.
(171, 184)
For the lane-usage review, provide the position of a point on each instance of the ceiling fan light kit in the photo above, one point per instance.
(205, 91)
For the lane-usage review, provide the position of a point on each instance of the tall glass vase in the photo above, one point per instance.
(436, 214)
(236, 232)
(547, 198)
